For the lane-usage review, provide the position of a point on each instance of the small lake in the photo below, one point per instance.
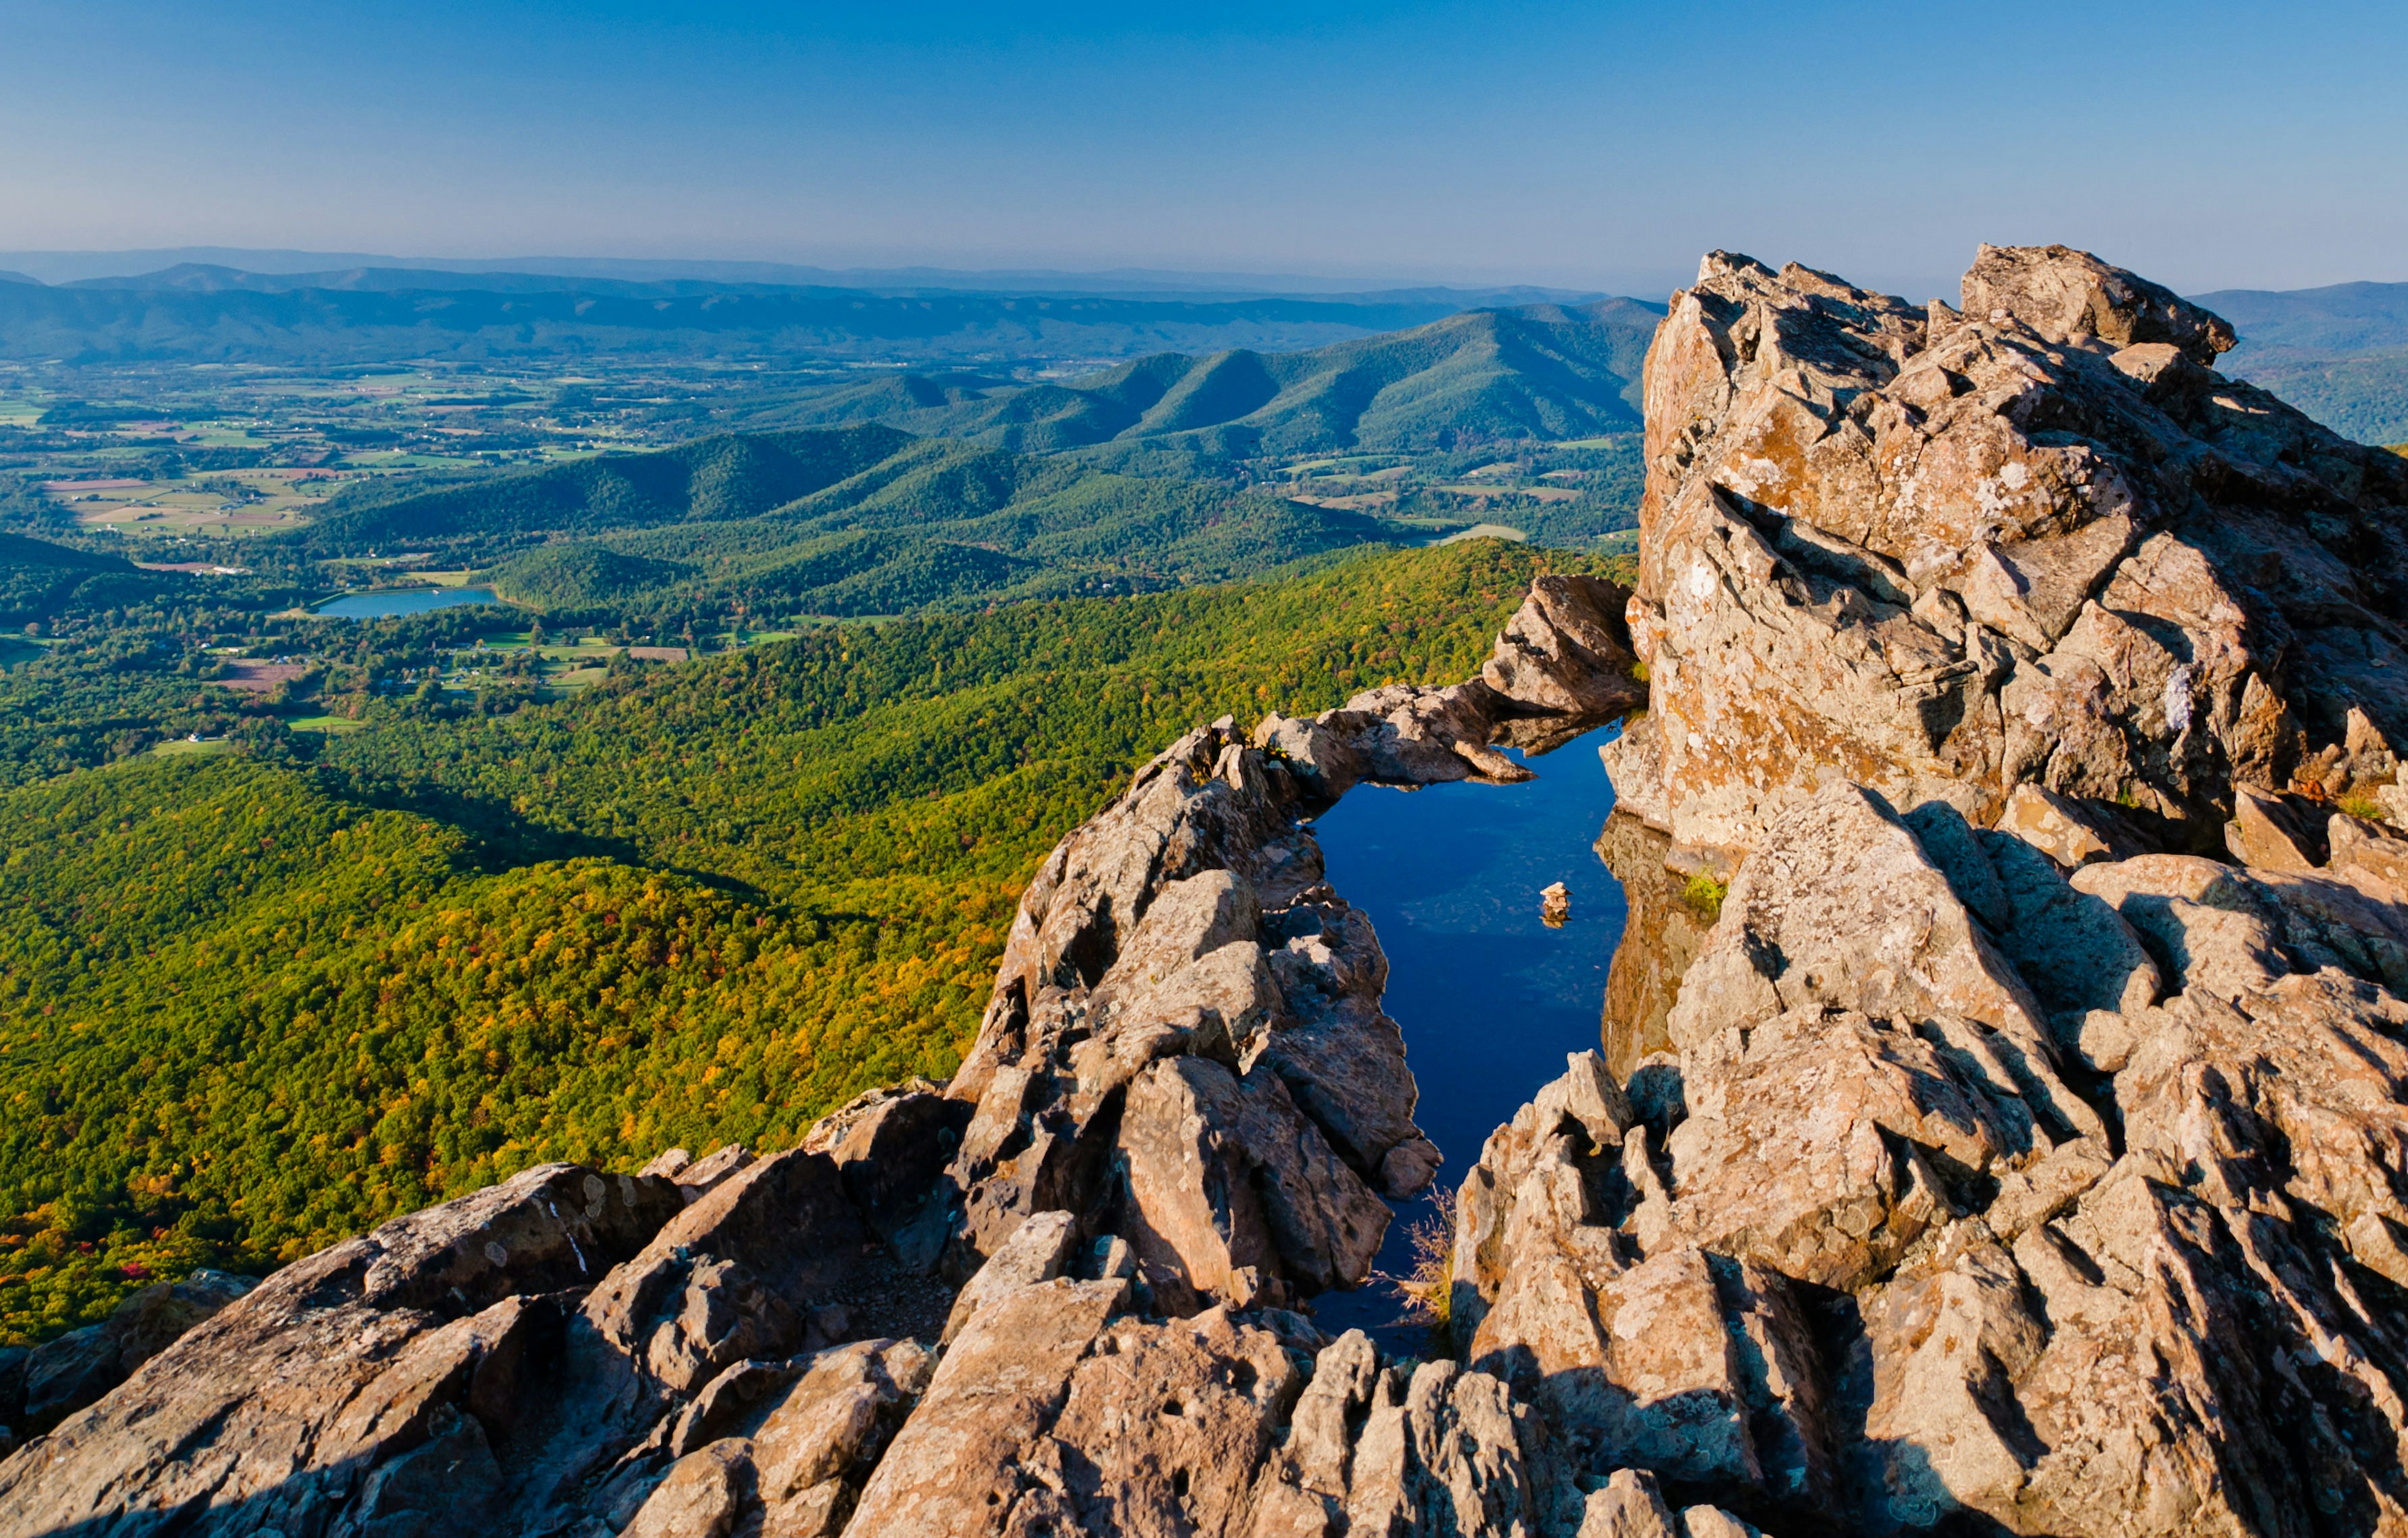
(1490, 997)
(377, 606)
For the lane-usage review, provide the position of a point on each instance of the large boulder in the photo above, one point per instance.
(1566, 653)
(1945, 553)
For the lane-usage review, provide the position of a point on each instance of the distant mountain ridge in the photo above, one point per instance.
(75, 266)
(204, 278)
(2338, 353)
(1548, 372)
(853, 520)
(2341, 320)
(201, 314)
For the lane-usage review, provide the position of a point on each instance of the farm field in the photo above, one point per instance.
(227, 503)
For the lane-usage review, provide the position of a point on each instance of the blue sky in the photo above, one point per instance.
(1604, 145)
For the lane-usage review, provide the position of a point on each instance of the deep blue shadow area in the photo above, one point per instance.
(1490, 997)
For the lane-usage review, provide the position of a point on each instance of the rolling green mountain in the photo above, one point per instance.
(850, 521)
(2361, 398)
(39, 578)
(1546, 372)
(717, 478)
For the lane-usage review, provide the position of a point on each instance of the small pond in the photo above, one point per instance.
(1490, 997)
(377, 605)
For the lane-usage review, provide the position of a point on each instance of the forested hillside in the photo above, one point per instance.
(248, 1005)
(1546, 372)
(715, 480)
(37, 578)
(853, 521)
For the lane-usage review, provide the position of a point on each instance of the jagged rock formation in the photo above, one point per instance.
(1184, 1046)
(2004, 1164)
(1891, 1268)
(1942, 553)
(2022, 1145)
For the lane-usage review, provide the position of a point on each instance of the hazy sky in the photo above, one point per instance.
(2208, 145)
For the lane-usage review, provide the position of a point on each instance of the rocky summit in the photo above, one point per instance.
(2000, 1123)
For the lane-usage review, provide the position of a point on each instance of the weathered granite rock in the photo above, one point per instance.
(1037, 1251)
(62, 1376)
(2367, 855)
(2037, 1333)
(285, 1408)
(700, 1497)
(699, 1177)
(1232, 1193)
(816, 1446)
(1943, 554)
(1900, 1277)
(2267, 832)
(1843, 909)
(1185, 1044)
(1567, 652)
(891, 1147)
(1163, 1430)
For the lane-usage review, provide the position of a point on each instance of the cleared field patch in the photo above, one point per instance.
(1485, 531)
(222, 501)
(184, 750)
(333, 726)
(1536, 493)
(259, 677)
(1614, 440)
(1354, 502)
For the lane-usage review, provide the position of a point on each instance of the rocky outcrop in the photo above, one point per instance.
(1894, 1272)
(1945, 554)
(1184, 1046)
(348, 1378)
(2020, 1151)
